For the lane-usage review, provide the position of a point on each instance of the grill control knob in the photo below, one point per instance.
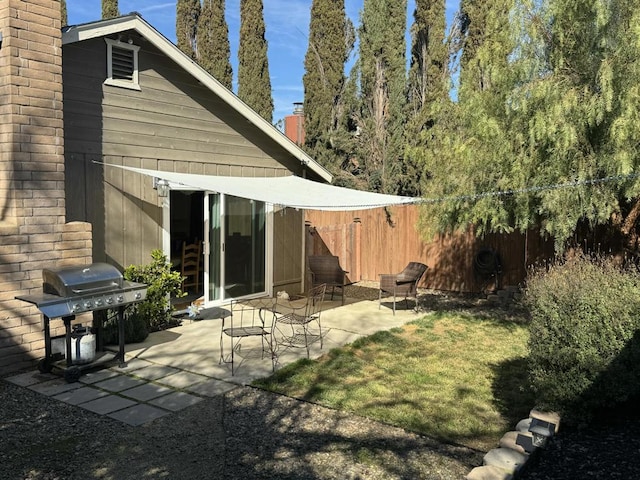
(120, 298)
(76, 307)
(87, 304)
(99, 302)
(109, 300)
(138, 295)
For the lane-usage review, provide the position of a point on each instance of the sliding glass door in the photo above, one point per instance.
(237, 247)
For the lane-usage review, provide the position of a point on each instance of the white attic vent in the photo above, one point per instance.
(122, 64)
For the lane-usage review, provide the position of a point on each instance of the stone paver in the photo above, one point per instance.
(132, 365)
(80, 395)
(176, 401)
(97, 376)
(30, 378)
(146, 392)
(155, 372)
(54, 387)
(108, 404)
(138, 414)
(182, 379)
(119, 383)
(211, 388)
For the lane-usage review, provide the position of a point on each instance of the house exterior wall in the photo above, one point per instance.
(33, 229)
(172, 123)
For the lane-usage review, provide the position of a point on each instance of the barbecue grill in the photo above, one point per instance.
(70, 291)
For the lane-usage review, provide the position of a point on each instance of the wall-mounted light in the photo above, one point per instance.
(542, 431)
(162, 186)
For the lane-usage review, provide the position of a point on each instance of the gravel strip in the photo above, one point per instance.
(243, 434)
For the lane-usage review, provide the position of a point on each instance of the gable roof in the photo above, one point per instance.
(133, 21)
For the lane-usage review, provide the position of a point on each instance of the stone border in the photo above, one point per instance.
(514, 450)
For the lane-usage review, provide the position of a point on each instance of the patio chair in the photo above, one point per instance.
(191, 265)
(250, 319)
(326, 269)
(403, 284)
(292, 322)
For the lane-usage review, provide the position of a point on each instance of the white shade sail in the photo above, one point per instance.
(290, 191)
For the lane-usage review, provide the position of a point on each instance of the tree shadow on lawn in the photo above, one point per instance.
(512, 393)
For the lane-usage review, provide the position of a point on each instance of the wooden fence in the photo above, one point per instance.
(368, 243)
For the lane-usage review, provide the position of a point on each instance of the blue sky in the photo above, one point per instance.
(287, 26)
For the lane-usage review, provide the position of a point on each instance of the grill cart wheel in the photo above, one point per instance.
(44, 366)
(72, 374)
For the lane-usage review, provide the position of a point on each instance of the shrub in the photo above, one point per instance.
(162, 282)
(135, 328)
(584, 347)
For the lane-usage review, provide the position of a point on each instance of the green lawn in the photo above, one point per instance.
(459, 377)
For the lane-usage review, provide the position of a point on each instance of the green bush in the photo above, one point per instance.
(135, 328)
(584, 347)
(162, 283)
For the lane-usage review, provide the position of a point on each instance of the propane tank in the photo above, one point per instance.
(83, 345)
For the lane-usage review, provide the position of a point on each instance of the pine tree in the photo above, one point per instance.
(63, 13)
(187, 14)
(331, 39)
(213, 49)
(110, 9)
(382, 76)
(254, 83)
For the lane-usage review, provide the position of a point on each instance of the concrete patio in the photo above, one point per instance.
(176, 368)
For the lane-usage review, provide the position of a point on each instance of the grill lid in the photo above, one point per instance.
(84, 280)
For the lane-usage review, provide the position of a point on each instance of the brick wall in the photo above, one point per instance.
(33, 230)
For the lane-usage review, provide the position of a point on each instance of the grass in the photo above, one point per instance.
(459, 377)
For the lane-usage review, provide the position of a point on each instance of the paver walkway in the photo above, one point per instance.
(176, 368)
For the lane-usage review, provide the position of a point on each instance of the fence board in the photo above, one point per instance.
(376, 241)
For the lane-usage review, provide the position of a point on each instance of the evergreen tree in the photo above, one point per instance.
(551, 138)
(187, 14)
(428, 75)
(470, 147)
(214, 52)
(110, 9)
(254, 83)
(331, 39)
(382, 77)
(429, 82)
(63, 13)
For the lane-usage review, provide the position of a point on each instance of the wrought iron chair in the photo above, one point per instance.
(403, 284)
(326, 269)
(191, 265)
(250, 319)
(292, 321)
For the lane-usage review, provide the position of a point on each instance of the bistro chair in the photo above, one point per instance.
(249, 321)
(291, 327)
(403, 284)
(326, 269)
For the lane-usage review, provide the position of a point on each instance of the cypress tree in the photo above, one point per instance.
(187, 14)
(331, 39)
(428, 92)
(382, 75)
(428, 74)
(63, 13)
(110, 9)
(214, 52)
(254, 83)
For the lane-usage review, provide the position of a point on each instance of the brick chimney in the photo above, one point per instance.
(33, 231)
(294, 124)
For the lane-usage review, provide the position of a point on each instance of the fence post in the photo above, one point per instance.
(356, 232)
